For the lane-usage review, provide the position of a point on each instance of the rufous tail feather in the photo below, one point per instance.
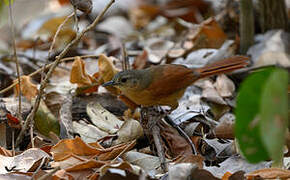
(223, 66)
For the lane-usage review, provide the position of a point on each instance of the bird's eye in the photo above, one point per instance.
(123, 80)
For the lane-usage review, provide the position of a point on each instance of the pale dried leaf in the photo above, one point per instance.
(103, 119)
(224, 86)
(210, 93)
(88, 132)
(129, 131)
(22, 162)
(145, 161)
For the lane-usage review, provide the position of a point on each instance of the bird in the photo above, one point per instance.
(164, 85)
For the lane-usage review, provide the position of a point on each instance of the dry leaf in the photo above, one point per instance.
(157, 49)
(115, 151)
(65, 35)
(5, 152)
(189, 10)
(129, 131)
(103, 119)
(68, 147)
(122, 170)
(88, 164)
(142, 15)
(78, 73)
(224, 86)
(141, 60)
(23, 162)
(202, 174)
(88, 132)
(116, 25)
(28, 89)
(106, 72)
(208, 35)
(210, 94)
(145, 161)
(193, 159)
(226, 176)
(181, 171)
(177, 145)
(224, 130)
(269, 173)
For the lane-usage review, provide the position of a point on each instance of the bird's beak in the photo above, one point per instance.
(109, 83)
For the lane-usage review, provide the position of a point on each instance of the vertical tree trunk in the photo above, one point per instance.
(246, 25)
(273, 15)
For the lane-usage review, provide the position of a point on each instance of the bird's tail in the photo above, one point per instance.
(223, 66)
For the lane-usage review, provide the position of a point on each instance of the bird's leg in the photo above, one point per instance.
(149, 122)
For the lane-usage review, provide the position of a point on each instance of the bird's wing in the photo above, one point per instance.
(170, 78)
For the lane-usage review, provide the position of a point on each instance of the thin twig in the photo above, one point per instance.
(16, 62)
(31, 115)
(159, 147)
(56, 34)
(124, 150)
(39, 167)
(47, 66)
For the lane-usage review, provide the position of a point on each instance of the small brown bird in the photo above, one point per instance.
(165, 84)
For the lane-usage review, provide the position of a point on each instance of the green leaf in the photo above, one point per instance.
(45, 122)
(274, 117)
(246, 126)
(261, 109)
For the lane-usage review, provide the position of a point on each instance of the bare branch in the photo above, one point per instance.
(30, 117)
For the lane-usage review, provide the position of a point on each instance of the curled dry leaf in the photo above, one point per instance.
(28, 89)
(224, 86)
(106, 72)
(103, 119)
(210, 94)
(129, 131)
(80, 77)
(88, 132)
(78, 73)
